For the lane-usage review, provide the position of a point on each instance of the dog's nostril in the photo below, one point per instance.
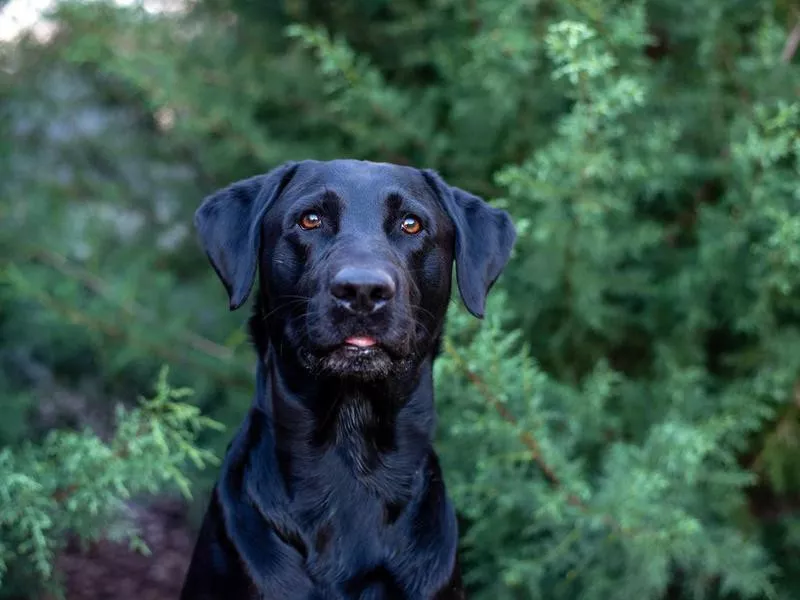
(343, 291)
(382, 292)
(363, 289)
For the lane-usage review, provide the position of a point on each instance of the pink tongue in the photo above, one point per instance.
(361, 342)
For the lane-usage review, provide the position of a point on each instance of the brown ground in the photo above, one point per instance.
(109, 570)
(112, 571)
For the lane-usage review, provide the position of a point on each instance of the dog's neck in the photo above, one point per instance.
(383, 430)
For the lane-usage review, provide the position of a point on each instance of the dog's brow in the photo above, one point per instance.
(396, 200)
(325, 198)
(329, 194)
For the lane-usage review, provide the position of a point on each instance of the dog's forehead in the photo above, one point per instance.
(355, 180)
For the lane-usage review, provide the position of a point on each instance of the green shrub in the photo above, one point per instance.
(74, 483)
(624, 423)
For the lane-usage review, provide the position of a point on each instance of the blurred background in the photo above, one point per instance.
(624, 424)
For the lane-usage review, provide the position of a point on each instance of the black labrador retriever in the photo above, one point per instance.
(331, 488)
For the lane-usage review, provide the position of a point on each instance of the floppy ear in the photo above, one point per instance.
(484, 238)
(229, 225)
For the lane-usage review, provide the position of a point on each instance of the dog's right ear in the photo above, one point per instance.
(229, 225)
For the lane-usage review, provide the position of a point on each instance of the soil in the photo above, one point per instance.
(109, 570)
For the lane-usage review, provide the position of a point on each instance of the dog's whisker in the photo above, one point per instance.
(299, 300)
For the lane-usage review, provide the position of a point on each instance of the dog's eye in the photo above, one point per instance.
(411, 225)
(310, 220)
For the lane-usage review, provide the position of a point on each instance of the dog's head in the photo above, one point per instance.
(355, 258)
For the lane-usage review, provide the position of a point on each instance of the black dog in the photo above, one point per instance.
(331, 488)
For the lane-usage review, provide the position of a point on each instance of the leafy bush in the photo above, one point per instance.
(624, 423)
(75, 482)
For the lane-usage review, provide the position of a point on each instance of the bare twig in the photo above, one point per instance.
(169, 352)
(525, 436)
(132, 309)
(529, 441)
(792, 42)
(789, 414)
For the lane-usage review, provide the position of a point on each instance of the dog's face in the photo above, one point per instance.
(355, 258)
(356, 262)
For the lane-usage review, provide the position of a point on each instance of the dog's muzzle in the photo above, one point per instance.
(363, 290)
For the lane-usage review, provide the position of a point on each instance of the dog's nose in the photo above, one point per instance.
(362, 290)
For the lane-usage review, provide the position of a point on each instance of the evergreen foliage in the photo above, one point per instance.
(75, 482)
(624, 423)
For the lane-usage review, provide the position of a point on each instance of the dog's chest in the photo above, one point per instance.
(387, 532)
(348, 524)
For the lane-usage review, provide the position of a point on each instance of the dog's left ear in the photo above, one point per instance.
(484, 238)
(229, 225)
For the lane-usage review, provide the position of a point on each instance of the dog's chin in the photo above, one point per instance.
(351, 362)
(348, 362)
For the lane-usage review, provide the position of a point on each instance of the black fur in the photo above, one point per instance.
(331, 488)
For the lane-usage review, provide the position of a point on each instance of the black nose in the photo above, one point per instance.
(362, 290)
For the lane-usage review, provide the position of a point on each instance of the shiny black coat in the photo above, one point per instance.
(331, 488)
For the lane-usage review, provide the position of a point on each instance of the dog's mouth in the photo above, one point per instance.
(360, 348)
(360, 341)
(357, 356)
(366, 346)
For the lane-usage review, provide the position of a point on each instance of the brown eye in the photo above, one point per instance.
(411, 225)
(310, 220)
